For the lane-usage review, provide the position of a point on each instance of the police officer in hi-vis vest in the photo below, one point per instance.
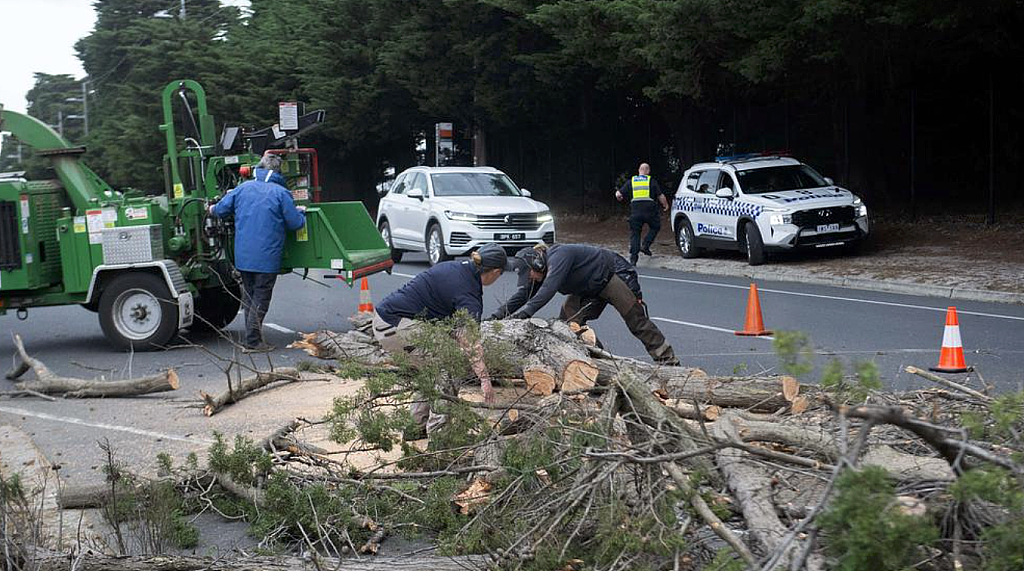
(643, 191)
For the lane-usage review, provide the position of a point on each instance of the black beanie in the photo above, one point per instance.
(492, 256)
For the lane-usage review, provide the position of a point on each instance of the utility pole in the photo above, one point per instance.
(182, 14)
(84, 100)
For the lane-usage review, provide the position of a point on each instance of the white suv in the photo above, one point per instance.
(451, 211)
(759, 204)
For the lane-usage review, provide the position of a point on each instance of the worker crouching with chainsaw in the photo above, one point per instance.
(591, 278)
(437, 294)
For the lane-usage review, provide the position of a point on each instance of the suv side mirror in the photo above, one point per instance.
(525, 192)
(725, 193)
(415, 193)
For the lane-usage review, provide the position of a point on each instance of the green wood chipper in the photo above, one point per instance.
(152, 265)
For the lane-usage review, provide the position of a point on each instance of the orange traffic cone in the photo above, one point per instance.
(754, 326)
(951, 359)
(365, 301)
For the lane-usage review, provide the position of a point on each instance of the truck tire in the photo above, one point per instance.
(137, 312)
(216, 307)
(685, 241)
(754, 244)
(385, 232)
(435, 245)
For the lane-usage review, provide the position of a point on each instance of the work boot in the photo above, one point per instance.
(646, 250)
(632, 259)
(261, 348)
(665, 356)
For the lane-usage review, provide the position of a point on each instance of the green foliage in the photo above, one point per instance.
(795, 352)
(726, 560)
(864, 528)
(246, 463)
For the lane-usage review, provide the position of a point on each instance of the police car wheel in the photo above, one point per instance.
(685, 241)
(754, 245)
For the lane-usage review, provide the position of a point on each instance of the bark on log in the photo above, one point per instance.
(759, 394)
(752, 487)
(247, 386)
(87, 496)
(639, 403)
(349, 346)
(94, 562)
(47, 382)
(693, 412)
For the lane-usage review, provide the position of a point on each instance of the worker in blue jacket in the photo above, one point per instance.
(264, 211)
(436, 294)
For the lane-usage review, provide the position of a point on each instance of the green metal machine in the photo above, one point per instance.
(151, 265)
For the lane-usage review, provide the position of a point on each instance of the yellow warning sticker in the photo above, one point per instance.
(179, 190)
(79, 224)
(301, 235)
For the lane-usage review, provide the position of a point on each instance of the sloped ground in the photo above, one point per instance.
(959, 252)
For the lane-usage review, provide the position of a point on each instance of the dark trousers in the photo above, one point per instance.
(257, 288)
(627, 303)
(643, 212)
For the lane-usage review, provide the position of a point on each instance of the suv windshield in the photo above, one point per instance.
(473, 184)
(777, 179)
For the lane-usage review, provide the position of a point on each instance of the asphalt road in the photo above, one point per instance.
(697, 313)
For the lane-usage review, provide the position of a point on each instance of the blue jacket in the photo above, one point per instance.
(263, 210)
(436, 293)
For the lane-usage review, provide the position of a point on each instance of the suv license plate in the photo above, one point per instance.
(823, 228)
(510, 236)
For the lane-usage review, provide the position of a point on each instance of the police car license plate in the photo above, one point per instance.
(510, 236)
(823, 228)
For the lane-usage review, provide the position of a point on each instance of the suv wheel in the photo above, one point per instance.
(435, 245)
(754, 244)
(684, 239)
(385, 232)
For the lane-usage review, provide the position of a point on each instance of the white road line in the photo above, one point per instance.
(128, 429)
(403, 275)
(277, 327)
(835, 297)
(702, 326)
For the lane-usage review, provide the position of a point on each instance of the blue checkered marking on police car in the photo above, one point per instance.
(731, 208)
(719, 206)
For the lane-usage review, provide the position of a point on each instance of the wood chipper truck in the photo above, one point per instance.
(152, 265)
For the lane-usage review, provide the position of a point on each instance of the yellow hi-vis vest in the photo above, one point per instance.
(642, 187)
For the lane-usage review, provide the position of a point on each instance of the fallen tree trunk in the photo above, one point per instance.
(761, 394)
(752, 488)
(354, 345)
(95, 562)
(47, 382)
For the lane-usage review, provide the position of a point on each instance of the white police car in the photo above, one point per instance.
(758, 204)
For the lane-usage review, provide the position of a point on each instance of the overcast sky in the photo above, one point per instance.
(39, 35)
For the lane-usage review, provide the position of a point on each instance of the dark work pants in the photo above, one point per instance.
(625, 301)
(257, 288)
(643, 212)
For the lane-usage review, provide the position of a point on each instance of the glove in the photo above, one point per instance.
(519, 315)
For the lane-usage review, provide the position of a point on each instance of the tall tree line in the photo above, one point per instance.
(888, 97)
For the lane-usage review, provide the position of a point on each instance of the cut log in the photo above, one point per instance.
(540, 379)
(751, 486)
(579, 375)
(690, 411)
(47, 382)
(759, 394)
(93, 562)
(247, 386)
(790, 387)
(354, 346)
(87, 495)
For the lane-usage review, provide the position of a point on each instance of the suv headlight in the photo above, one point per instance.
(782, 217)
(544, 216)
(460, 216)
(862, 209)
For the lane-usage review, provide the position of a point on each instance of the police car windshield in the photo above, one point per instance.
(473, 184)
(778, 179)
